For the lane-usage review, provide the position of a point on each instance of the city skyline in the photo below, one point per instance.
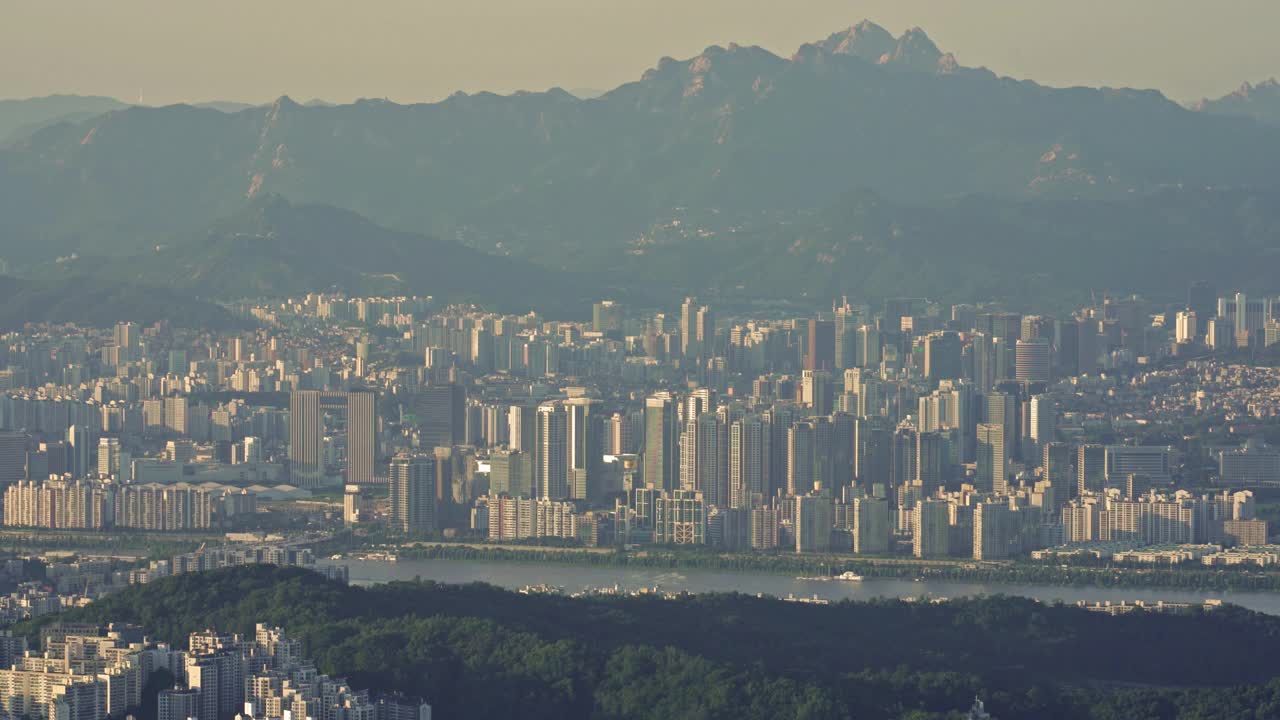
(891, 360)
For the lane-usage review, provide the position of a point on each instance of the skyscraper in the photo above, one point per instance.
(812, 523)
(661, 442)
(845, 338)
(843, 436)
(942, 356)
(1057, 465)
(778, 419)
(873, 449)
(1091, 468)
(931, 529)
(1000, 408)
(820, 349)
(815, 391)
(993, 361)
(109, 455)
(867, 353)
(992, 530)
(606, 317)
(992, 462)
(521, 421)
(584, 428)
(1044, 418)
(78, 450)
(126, 335)
(870, 525)
(705, 329)
(688, 327)
(1066, 348)
(711, 458)
(13, 458)
(931, 461)
(413, 492)
(1087, 337)
(175, 415)
(1033, 360)
(748, 460)
(551, 475)
(625, 432)
(1186, 327)
(306, 434)
(362, 431)
(510, 473)
(800, 458)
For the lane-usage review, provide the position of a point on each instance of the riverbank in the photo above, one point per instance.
(570, 578)
(1211, 579)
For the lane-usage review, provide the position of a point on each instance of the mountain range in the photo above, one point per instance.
(272, 248)
(863, 163)
(1260, 102)
(21, 118)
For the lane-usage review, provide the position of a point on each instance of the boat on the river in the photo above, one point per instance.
(846, 576)
(378, 557)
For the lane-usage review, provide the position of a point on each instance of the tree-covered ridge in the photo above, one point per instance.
(478, 651)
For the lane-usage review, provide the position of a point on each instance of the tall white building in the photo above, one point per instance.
(1187, 327)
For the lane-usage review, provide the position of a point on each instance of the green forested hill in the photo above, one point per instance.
(477, 651)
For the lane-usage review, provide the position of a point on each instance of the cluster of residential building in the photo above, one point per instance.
(87, 672)
(267, 677)
(68, 503)
(82, 672)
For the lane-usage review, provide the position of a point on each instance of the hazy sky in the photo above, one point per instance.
(189, 50)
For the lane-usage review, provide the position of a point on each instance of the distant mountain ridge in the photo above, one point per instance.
(1032, 252)
(735, 137)
(273, 248)
(21, 118)
(1260, 102)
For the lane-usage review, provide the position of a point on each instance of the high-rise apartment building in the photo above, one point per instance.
(1091, 468)
(812, 523)
(1058, 468)
(748, 459)
(870, 529)
(584, 453)
(413, 492)
(661, 442)
(800, 457)
(931, 529)
(552, 467)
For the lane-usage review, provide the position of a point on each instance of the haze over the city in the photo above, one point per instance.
(602, 360)
(159, 52)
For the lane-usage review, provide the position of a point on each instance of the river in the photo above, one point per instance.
(574, 578)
